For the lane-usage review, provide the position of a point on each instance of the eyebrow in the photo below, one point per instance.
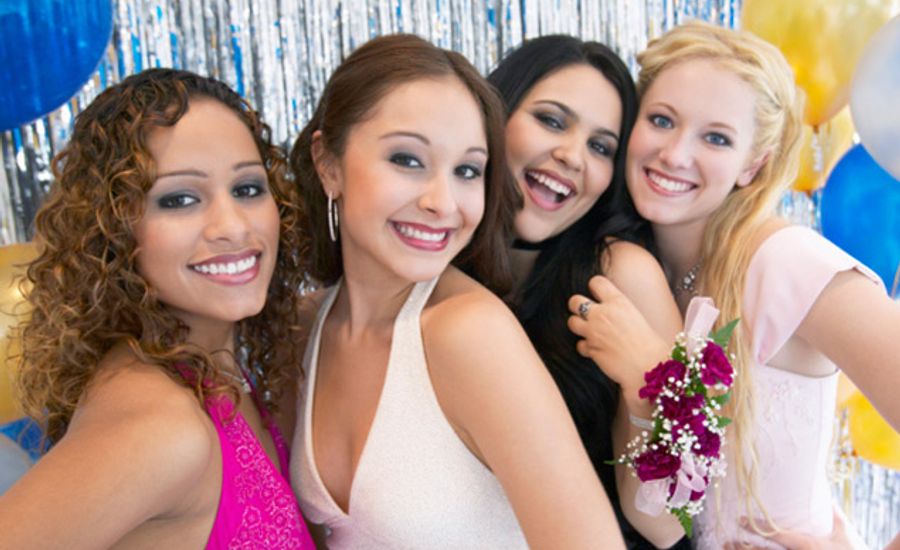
(721, 125)
(200, 174)
(570, 113)
(425, 140)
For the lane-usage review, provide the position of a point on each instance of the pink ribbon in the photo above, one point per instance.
(689, 479)
(698, 321)
(651, 496)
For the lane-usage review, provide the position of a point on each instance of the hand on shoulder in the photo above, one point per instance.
(616, 336)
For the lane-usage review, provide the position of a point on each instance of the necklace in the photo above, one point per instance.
(240, 380)
(686, 284)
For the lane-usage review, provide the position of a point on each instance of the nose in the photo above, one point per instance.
(226, 220)
(437, 196)
(570, 152)
(676, 151)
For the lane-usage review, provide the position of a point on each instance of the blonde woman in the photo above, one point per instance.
(714, 148)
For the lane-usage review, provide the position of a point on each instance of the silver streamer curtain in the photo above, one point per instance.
(279, 54)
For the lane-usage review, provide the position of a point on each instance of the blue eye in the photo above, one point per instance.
(661, 121)
(550, 121)
(406, 160)
(249, 189)
(177, 200)
(468, 172)
(717, 139)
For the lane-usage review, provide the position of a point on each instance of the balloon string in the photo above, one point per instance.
(896, 282)
(818, 153)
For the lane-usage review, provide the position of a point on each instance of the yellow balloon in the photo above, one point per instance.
(12, 309)
(822, 148)
(822, 40)
(846, 390)
(872, 437)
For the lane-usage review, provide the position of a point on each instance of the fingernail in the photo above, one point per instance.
(744, 522)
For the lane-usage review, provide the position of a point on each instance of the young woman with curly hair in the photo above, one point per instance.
(164, 304)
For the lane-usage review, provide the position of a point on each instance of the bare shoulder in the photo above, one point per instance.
(625, 262)
(138, 447)
(641, 279)
(462, 310)
(140, 410)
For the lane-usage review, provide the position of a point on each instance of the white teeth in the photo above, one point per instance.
(231, 268)
(669, 185)
(414, 233)
(551, 183)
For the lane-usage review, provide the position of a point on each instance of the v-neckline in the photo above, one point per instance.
(309, 405)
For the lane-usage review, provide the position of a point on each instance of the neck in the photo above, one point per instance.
(368, 300)
(679, 248)
(211, 335)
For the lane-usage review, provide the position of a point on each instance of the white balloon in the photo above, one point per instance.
(875, 97)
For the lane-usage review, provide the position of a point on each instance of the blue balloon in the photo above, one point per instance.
(860, 210)
(48, 50)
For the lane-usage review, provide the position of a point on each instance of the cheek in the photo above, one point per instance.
(472, 203)
(642, 140)
(270, 223)
(517, 141)
(600, 176)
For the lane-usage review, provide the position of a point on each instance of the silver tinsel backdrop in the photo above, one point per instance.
(279, 54)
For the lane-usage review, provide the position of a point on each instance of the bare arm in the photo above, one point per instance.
(493, 388)
(126, 458)
(857, 326)
(641, 280)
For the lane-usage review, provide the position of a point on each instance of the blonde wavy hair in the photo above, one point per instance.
(86, 294)
(733, 229)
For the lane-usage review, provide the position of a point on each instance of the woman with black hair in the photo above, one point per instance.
(571, 107)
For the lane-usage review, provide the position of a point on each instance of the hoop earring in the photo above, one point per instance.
(333, 220)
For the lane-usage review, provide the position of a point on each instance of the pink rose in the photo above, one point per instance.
(717, 367)
(656, 464)
(659, 376)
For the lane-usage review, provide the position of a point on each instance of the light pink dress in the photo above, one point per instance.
(794, 413)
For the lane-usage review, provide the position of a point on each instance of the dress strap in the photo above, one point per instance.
(417, 299)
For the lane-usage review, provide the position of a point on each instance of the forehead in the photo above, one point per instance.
(705, 89)
(207, 129)
(442, 108)
(582, 88)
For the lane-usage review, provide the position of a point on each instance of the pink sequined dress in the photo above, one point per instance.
(257, 508)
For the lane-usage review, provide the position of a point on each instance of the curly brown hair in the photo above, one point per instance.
(86, 293)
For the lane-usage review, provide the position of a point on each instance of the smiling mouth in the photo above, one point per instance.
(668, 185)
(227, 268)
(422, 237)
(546, 191)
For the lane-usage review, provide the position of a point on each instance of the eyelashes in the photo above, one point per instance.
(409, 161)
(185, 199)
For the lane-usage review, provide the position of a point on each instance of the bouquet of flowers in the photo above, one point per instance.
(681, 454)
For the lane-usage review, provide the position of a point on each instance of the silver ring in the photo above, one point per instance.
(583, 309)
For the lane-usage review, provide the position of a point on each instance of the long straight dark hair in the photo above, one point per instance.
(567, 261)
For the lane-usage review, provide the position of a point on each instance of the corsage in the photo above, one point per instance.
(680, 452)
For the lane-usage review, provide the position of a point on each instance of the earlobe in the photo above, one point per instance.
(750, 172)
(326, 168)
